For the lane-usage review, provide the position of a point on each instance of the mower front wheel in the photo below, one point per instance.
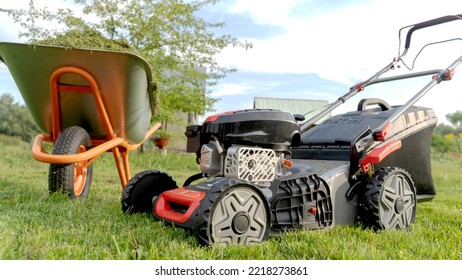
(72, 179)
(239, 215)
(389, 200)
(143, 188)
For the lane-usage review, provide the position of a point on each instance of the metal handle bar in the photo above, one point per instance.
(376, 77)
(444, 75)
(426, 24)
(353, 91)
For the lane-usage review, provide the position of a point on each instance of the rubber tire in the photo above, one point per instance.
(143, 188)
(237, 201)
(389, 200)
(71, 140)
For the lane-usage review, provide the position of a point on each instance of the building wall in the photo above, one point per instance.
(305, 107)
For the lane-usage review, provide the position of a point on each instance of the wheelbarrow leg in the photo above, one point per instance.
(123, 167)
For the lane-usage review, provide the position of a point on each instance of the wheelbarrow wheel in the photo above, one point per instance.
(142, 190)
(73, 179)
(389, 200)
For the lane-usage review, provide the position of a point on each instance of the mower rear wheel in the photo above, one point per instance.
(389, 201)
(143, 188)
(72, 179)
(239, 215)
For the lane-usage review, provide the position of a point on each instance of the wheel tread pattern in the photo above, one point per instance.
(60, 176)
(202, 227)
(369, 207)
(142, 189)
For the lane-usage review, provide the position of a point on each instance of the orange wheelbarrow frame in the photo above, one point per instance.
(119, 146)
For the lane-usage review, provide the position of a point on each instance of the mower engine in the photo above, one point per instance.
(250, 145)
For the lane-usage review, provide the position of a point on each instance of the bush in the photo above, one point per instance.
(446, 143)
(15, 119)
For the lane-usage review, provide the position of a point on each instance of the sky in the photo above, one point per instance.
(315, 49)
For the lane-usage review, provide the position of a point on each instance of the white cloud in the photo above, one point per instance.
(227, 89)
(51, 4)
(344, 45)
(10, 33)
(270, 12)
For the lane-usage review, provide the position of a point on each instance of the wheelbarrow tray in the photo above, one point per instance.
(124, 80)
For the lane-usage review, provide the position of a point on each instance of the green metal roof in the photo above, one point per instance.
(305, 107)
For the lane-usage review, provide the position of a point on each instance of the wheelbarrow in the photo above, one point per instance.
(85, 102)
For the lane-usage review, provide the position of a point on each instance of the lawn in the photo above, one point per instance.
(35, 225)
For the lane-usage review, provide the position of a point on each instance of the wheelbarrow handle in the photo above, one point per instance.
(429, 23)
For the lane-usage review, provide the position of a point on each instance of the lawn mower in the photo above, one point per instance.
(264, 171)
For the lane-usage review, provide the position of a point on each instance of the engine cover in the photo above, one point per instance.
(263, 127)
(251, 164)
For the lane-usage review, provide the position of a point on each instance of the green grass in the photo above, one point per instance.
(35, 225)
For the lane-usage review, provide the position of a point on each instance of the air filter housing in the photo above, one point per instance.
(251, 164)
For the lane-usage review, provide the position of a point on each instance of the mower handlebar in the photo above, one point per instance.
(428, 24)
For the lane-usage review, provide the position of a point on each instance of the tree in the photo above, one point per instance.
(455, 119)
(447, 138)
(178, 44)
(15, 119)
(444, 129)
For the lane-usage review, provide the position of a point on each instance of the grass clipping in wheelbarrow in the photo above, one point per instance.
(92, 39)
(86, 39)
